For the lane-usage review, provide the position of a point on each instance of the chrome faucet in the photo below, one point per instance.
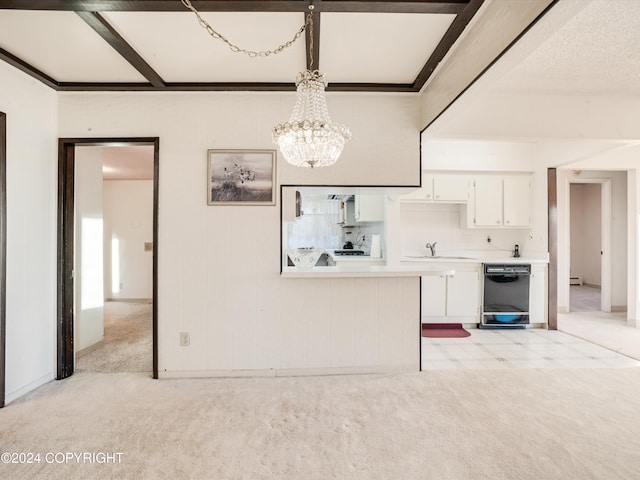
(432, 247)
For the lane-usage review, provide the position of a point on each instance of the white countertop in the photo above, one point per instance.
(410, 265)
(355, 270)
(475, 257)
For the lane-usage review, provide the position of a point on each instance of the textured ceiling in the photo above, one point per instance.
(597, 51)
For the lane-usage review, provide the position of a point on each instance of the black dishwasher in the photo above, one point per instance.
(506, 295)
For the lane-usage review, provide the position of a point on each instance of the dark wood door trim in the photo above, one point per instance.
(64, 320)
(3, 252)
(552, 195)
(66, 164)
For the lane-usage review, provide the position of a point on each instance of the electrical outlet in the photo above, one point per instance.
(184, 339)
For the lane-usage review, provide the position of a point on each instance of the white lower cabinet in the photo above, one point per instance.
(538, 295)
(434, 297)
(451, 299)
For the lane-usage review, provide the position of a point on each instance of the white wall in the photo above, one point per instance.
(128, 219)
(88, 319)
(219, 265)
(586, 232)
(31, 230)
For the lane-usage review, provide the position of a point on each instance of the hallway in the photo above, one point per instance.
(127, 344)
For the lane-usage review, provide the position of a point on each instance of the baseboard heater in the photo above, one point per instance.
(575, 280)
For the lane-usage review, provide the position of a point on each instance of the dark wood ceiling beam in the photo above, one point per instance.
(377, 6)
(447, 41)
(229, 86)
(28, 69)
(120, 45)
(368, 6)
(371, 87)
(313, 54)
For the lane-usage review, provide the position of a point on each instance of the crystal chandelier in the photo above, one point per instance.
(310, 138)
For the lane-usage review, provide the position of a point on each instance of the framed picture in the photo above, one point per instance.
(241, 177)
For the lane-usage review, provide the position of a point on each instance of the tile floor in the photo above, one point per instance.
(518, 348)
(586, 338)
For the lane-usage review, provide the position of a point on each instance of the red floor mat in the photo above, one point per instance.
(444, 330)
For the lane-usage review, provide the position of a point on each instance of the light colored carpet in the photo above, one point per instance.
(127, 341)
(481, 424)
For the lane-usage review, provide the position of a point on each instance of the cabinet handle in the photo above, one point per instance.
(507, 222)
(437, 196)
(498, 222)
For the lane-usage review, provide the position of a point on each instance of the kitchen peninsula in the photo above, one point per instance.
(451, 274)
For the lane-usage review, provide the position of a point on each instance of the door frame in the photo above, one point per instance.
(66, 227)
(605, 239)
(3, 253)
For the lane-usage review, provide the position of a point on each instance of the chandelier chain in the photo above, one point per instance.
(234, 48)
(310, 23)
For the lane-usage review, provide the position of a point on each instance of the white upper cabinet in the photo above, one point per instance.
(517, 204)
(369, 208)
(452, 188)
(500, 201)
(424, 193)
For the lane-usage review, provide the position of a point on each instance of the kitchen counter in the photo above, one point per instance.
(476, 257)
(355, 270)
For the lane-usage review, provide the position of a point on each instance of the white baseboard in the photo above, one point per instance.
(11, 396)
(90, 348)
(129, 300)
(618, 308)
(287, 372)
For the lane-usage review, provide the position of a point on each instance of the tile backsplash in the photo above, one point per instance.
(319, 227)
(422, 223)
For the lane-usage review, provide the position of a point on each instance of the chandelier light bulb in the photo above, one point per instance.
(310, 138)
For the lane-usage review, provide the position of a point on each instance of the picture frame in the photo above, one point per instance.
(241, 177)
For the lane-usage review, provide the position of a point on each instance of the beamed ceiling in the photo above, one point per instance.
(158, 45)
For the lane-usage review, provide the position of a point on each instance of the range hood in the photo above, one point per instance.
(344, 198)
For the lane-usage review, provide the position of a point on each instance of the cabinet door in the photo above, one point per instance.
(517, 201)
(488, 201)
(450, 188)
(424, 193)
(369, 208)
(462, 294)
(538, 294)
(434, 293)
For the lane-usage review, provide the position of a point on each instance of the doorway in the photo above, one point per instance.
(585, 267)
(589, 261)
(67, 226)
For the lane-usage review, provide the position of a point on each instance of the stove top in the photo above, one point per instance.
(349, 252)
